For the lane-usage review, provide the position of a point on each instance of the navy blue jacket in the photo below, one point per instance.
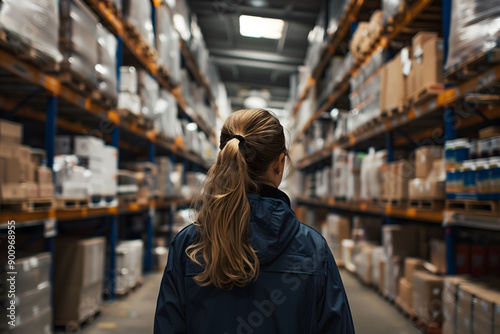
(298, 291)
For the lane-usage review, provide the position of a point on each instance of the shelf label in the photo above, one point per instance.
(49, 228)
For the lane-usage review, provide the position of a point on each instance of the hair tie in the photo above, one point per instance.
(241, 139)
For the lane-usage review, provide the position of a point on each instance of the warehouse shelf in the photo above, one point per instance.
(400, 121)
(344, 25)
(391, 33)
(25, 219)
(484, 222)
(433, 216)
(108, 16)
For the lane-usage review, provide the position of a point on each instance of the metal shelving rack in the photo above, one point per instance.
(24, 88)
(425, 116)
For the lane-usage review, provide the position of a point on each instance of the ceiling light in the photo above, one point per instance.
(260, 27)
(334, 113)
(191, 126)
(255, 102)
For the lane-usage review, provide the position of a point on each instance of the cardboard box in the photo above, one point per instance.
(412, 265)
(399, 240)
(10, 191)
(451, 286)
(79, 276)
(383, 85)
(489, 132)
(7, 149)
(427, 290)
(2, 170)
(438, 255)
(31, 189)
(381, 269)
(396, 179)
(338, 229)
(424, 160)
(393, 272)
(45, 190)
(395, 85)
(405, 296)
(23, 153)
(43, 175)
(14, 172)
(484, 311)
(30, 172)
(88, 146)
(10, 131)
(428, 55)
(426, 189)
(363, 262)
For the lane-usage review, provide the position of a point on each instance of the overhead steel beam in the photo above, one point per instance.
(221, 8)
(256, 55)
(255, 64)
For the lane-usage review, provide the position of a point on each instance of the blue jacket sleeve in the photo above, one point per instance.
(334, 314)
(170, 317)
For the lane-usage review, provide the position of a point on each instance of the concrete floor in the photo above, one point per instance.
(134, 313)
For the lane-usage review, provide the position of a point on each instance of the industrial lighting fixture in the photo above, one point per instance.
(192, 126)
(260, 27)
(255, 102)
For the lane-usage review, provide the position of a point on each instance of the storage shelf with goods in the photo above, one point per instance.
(410, 141)
(364, 58)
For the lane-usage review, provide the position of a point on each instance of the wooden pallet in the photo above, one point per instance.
(395, 203)
(138, 120)
(425, 327)
(15, 44)
(75, 326)
(473, 66)
(27, 205)
(127, 199)
(71, 203)
(426, 204)
(112, 6)
(147, 50)
(473, 206)
(393, 110)
(164, 73)
(425, 93)
(77, 81)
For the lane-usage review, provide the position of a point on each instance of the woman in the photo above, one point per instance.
(248, 265)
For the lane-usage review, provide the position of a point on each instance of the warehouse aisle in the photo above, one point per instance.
(134, 314)
(129, 315)
(371, 313)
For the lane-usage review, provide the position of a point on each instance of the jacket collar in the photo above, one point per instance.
(272, 192)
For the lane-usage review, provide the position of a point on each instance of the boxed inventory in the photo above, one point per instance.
(128, 264)
(79, 276)
(338, 229)
(427, 289)
(43, 35)
(33, 296)
(78, 41)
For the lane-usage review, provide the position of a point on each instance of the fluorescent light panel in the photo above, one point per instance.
(260, 27)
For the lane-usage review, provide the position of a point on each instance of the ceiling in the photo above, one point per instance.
(246, 63)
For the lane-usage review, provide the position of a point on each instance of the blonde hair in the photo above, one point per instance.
(222, 247)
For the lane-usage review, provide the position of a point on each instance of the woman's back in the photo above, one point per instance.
(298, 289)
(248, 265)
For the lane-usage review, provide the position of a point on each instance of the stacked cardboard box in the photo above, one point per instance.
(394, 86)
(92, 154)
(33, 309)
(427, 299)
(138, 14)
(430, 174)
(106, 69)
(353, 176)
(167, 43)
(372, 182)
(405, 296)
(470, 307)
(128, 99)
(79, 277)
(397, 175)
(426, 65)
(78, 41)
(365, 35)
(128, 264)
(17, 170)
(363, 260)
(378, 264)
(338, 228)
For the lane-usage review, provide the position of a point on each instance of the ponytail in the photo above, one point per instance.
(228, 258)
(250, 141)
